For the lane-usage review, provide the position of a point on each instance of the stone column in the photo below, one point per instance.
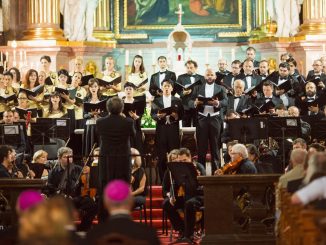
(314, 18)
(43, 20)
(102, 21)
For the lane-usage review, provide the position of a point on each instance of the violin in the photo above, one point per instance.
(84, 178)
(231, 167)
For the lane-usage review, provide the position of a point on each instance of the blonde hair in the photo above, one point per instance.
(38, 154)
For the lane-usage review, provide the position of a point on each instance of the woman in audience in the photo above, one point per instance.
(38, 164)
(138, 179)
(138, 75)
(55, 108)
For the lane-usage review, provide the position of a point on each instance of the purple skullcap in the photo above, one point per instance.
(117, 191)
(29, 198)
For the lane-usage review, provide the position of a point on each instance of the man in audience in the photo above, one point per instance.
(64, 179)
(299, 143)
(293, 111)
(297, 160)
(119, 203)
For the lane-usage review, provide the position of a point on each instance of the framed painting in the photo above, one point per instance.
(221, 20)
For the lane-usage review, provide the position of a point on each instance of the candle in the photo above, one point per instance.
(220, 53)
(206, 56)
(14, 54)
(232, 54)
(20, 56)
(180, 7)
(7, 56)
(1, 57)
(153, 57)
(25, 57)
(127, 58)
(140, 52)
(324, 48)
(5, 66)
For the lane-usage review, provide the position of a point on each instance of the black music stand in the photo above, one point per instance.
(318, 129)
(10, 134)
(284, 127)
(184, 174)
(248, 129)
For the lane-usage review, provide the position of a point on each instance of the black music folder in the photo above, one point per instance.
(70, 92)
(188, 86)
(286, 85)
(89, 107)
(85, 79)
(141, 84)
(106, 83)
(33, 92)
(138, 106)
(7, 98)
(23, 112)
(169, 110)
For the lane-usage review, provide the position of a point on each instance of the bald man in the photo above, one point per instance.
(210, 116)
(297, 159)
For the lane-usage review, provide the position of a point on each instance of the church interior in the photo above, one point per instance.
(163, 121)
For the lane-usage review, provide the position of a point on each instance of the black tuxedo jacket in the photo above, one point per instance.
(220, 76)
(255, 80)
(260, 101)
(158, 105)
(184, 79)
(227, 80)
(311, 75)
(155, 81)
(243, 103)
(123, 225)
(200, 90)
(114, 133)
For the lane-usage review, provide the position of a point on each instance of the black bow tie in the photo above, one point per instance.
(237, 97)
(163, 72)
(193, 75)
(268, 98)
(310, 98)
(248, 75)
(283, 78)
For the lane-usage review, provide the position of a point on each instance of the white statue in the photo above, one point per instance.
(286, 14)
(78, 19)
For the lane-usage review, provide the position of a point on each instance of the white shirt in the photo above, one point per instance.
(209, 92)
(280, 81)
(315, 190)
(248, 80)
(167, 101)
(192, 79)
(285, 100)
(161, 78)
(236, 102)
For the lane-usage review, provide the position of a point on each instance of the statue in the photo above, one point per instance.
(286, 14)
(78, 19)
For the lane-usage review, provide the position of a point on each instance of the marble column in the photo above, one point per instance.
(43, 20)
(314, 18)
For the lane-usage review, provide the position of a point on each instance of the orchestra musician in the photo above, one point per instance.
(64, 179)
(6, 159)
(240, 164)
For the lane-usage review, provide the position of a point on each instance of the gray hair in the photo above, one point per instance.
(64, 150)
(239, 81)
(241, 149)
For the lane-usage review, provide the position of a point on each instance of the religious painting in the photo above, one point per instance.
(161, 14)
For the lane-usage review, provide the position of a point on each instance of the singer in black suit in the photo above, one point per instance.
(210, 118)
(310, 96)
(167, 126)
(268, 89)
(190, 115)
(250, 77)
(157, 78)
(228, 80)
(238, 102)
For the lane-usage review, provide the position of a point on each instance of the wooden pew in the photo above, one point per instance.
(10, 190)
(221, 224)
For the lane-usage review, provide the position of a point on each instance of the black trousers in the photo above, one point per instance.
(167, 139)
(88, 210)
(189, 207)
(189, 116)
(208, 132)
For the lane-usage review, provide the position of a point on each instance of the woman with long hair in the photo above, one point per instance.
(138, 75)
(16, 83)
(55, 108)
(138, 179)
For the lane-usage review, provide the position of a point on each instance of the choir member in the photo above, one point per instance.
(222, 70)
(138, 75)
(135, 114)
(317, 73)
(251, 54)
(251, 79)
(263, 69)
(191, 77)
(228, 80)
(268, 89)
(78, 66)
(238, 102)
(167, 124)
(55, 108)
(210, 118)
(16, 83)
(90, 135)
(306, 109)
(80, 94)
(109, 74)
(155, 87)
(45, 66)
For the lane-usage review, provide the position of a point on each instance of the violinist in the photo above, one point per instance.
(240, 164)
(6, 159)
(64, 179)
(176, 199)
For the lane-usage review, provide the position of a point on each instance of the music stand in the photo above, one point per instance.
(248, 129)
(318, 129)
(10, 134)
(289, 127)
(184, 174)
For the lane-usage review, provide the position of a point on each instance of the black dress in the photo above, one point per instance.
(140, 198)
